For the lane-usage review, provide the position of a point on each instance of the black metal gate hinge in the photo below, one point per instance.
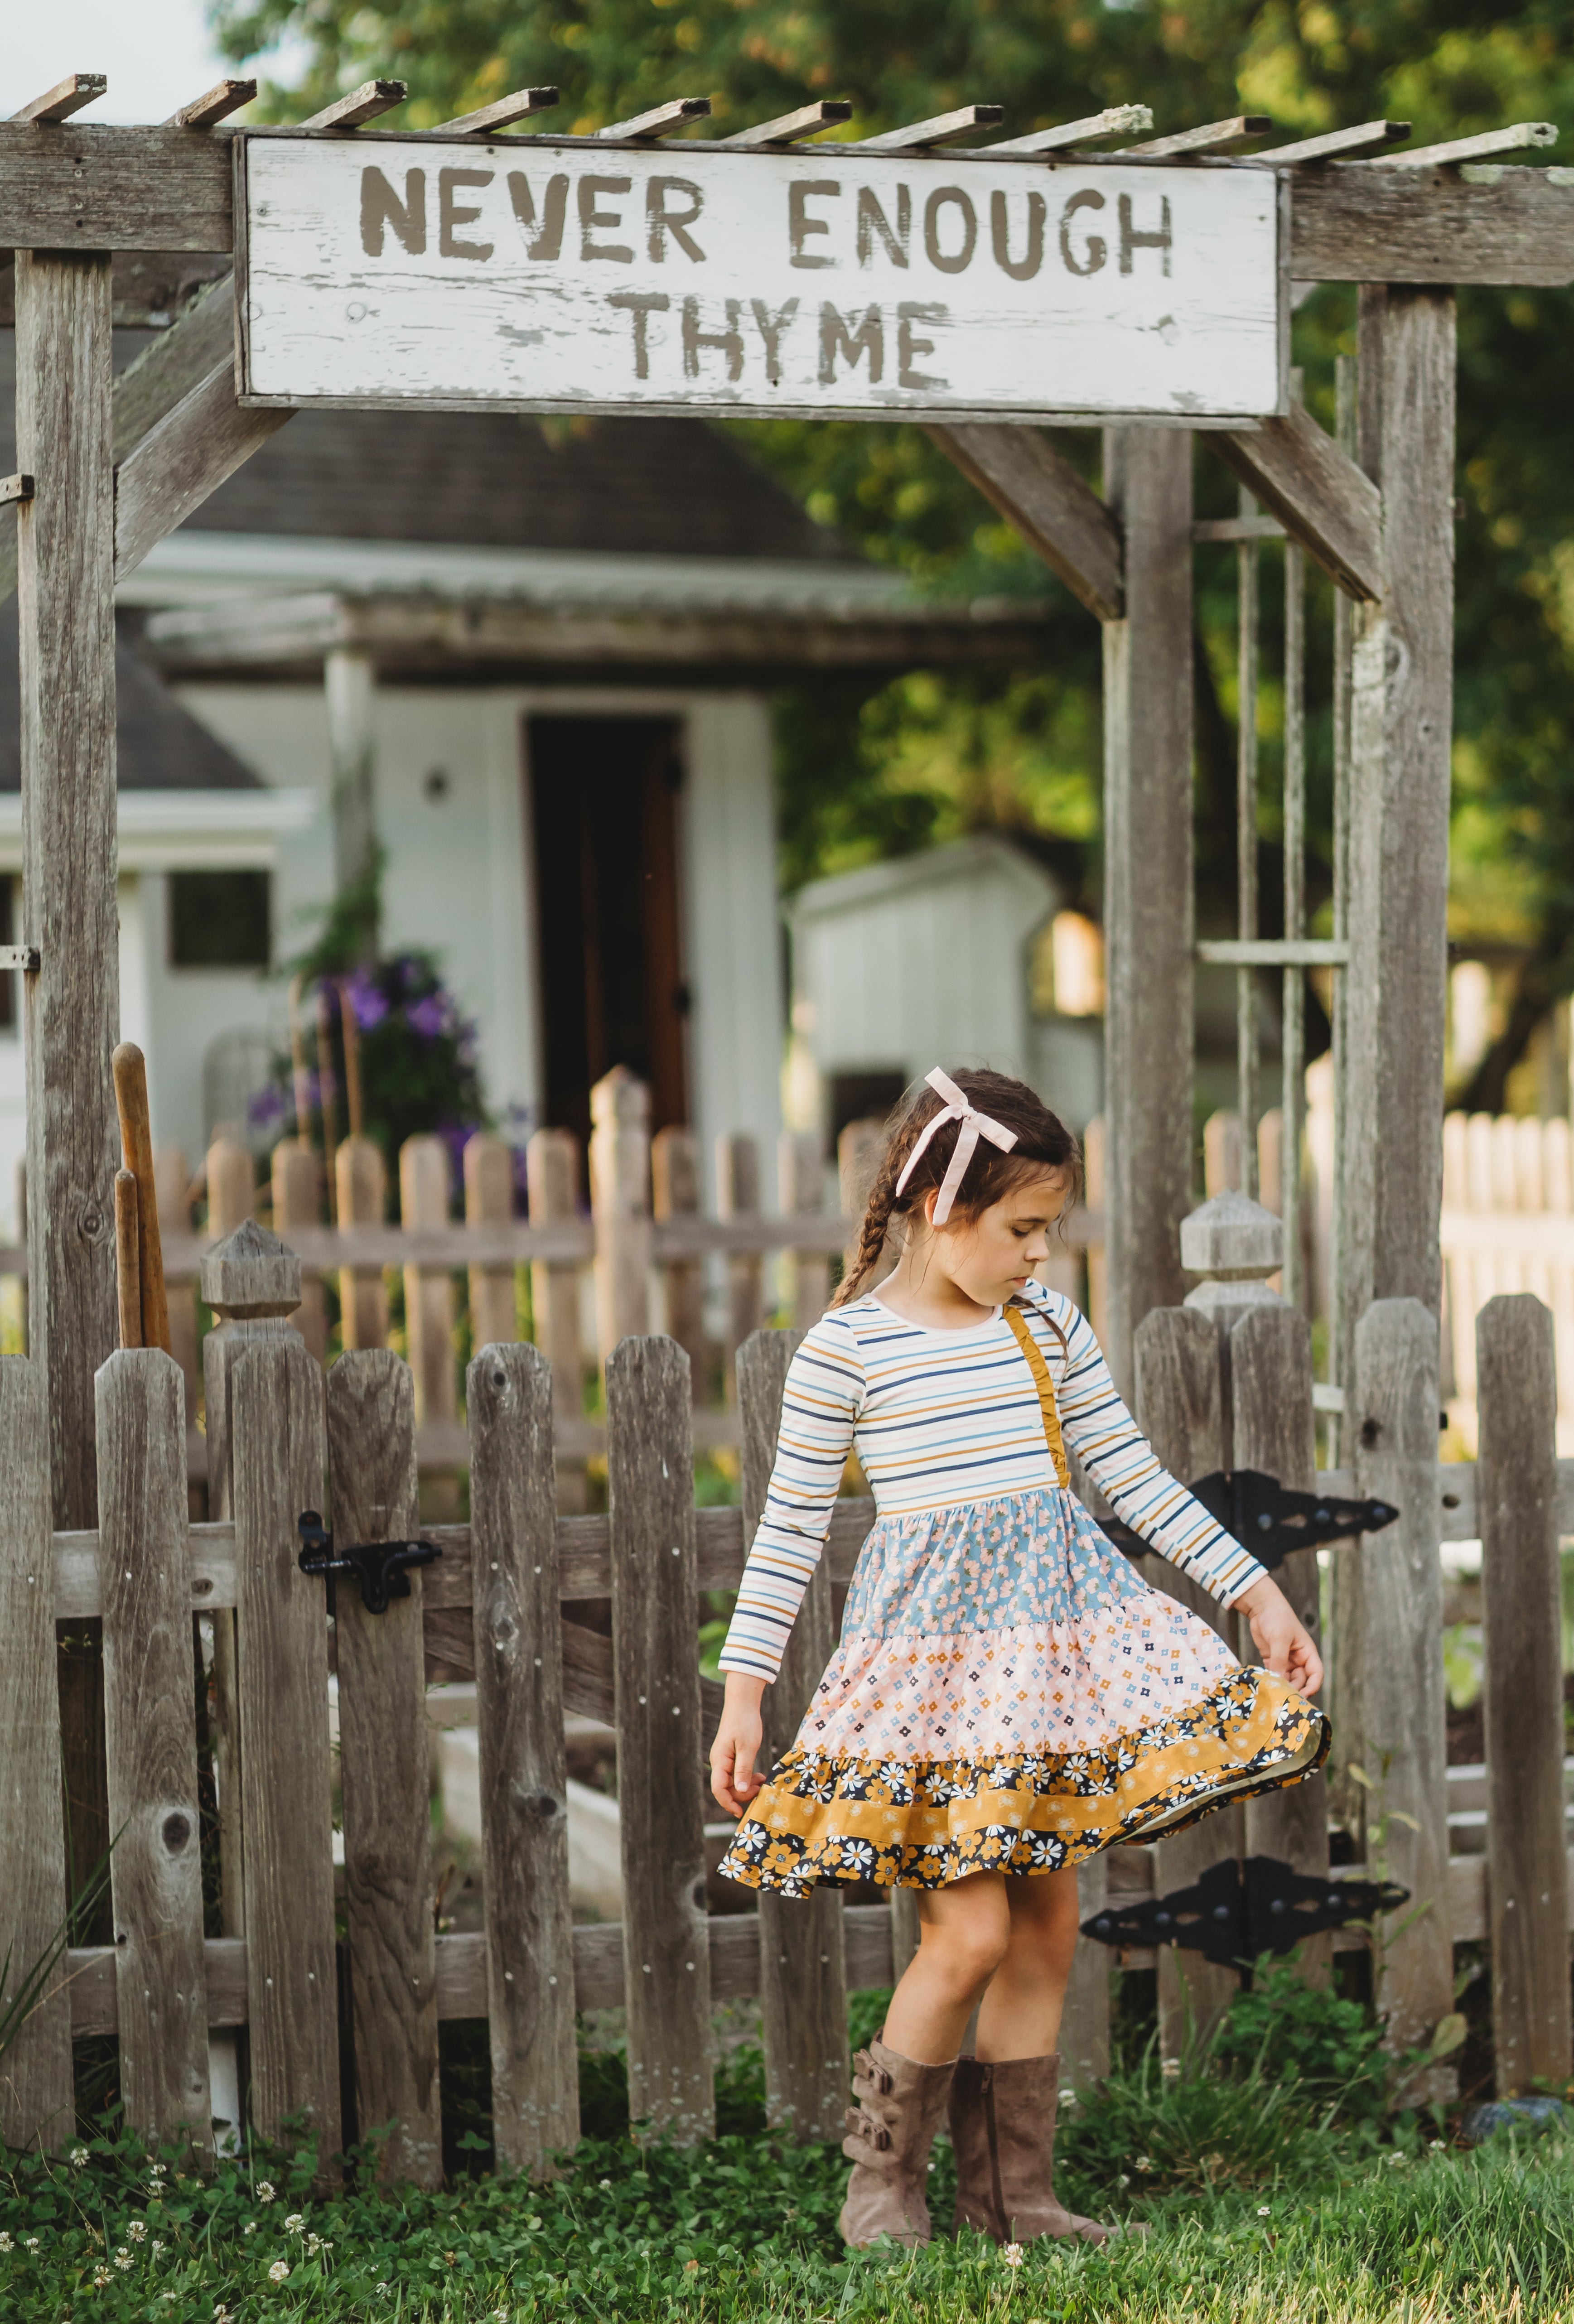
(1235, 1912)
(383, 1568)
(1267, 1517)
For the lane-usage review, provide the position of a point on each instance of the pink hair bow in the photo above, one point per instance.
(972, 1125)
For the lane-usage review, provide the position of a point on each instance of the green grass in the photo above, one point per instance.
(1270, 2181)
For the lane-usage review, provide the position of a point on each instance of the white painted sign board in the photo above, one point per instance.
(536, 275)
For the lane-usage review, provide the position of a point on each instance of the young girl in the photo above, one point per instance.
(1009, 1696)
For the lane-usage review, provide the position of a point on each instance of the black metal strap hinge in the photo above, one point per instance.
(382, 1568)
(1236, 1912)
(1267, 1517)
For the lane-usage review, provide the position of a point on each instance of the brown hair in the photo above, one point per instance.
(1043, 1143)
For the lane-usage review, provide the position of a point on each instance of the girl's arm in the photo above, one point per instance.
(820, 1409)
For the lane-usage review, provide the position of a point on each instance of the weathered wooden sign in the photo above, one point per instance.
(581, 277)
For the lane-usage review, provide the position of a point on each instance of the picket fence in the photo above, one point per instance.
(1507, 1225)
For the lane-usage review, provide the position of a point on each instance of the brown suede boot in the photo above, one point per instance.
(1003, 2127)
(890, 2133)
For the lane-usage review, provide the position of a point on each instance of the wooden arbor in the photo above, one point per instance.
(109, 468)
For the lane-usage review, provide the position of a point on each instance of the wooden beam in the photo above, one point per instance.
(14, 490)
(1116, 121)
(88, 187)
(181, 460)
(216, 104)
(67, 96)
(71, 1007)
(1316, 492)
(363, 104)
(788, 128)
(940, 129)
(1035, 488)
(1207, 139)
(1148, 920)
(177, 360)
(498, 115)
(1454, 151)
(659, 121)
(1338, 141)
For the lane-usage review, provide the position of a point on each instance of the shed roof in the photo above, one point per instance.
(160, 746)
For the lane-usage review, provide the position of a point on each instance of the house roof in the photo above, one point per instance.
(160, 746)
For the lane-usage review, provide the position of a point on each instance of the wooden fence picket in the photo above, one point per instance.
(1390, 1620)
(386, 1774)
(37, 2104)
(429, 1291)
(171, 1188)
(675, 1191)
(801, 1177)
(277, 1467)
(489, 1202)
(1516, 1492)
(361, 1180)
(803, 1981)
(551, 1163)
(1270, 1354)
(296, 1182)
(737, 1196)
(620, 1205)
(519, 1705)
(655, 1614)
(1180, 1410)
(144, 1567)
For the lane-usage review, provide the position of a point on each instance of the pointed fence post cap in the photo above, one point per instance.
(1232, 1239)
(251, 1273)
(620, 1100)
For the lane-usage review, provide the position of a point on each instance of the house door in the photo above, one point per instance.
(604, 794)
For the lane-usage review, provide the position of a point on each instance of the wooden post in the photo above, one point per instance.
(675, 1193)
(1395, 1710)
(144, 1579)
(1147, 884)
(71, 1008)
(385, 1773)
(1516, 1490)
(172, 1184)
(737, 1196)
(297, 1184)
(858, 1152)
(232, 1186)
(801, 1171)
(278, 1458)
(1271, 1391)
(803, 1983)
(362, 1178)
(1401, 722)
(350, 680)
(1094, 1185)
(1179, 1409)
(37, 2106)
(620, 1205)
(253, 1284)
(551, 1166)
(429, 1291)
(655, 1614)
(488, 1203)
(519, 1713)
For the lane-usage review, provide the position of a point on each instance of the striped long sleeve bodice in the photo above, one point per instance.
(940, 1419)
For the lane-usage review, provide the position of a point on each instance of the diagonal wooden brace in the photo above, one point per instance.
(1320, 497)
(1036, 489)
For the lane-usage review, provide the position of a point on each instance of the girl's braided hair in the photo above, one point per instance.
(1043, 1143)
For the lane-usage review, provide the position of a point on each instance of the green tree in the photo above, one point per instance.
(863, 774)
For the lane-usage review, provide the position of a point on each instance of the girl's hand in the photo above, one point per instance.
(738, 1742)
(1282, 1640)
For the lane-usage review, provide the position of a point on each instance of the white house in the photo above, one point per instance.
(556, 644)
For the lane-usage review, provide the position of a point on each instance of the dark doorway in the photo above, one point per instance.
(604, 794)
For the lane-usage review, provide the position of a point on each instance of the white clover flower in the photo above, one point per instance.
(294, 2223)
(122, 2259)
(78, 2157)
(1397, 2160)
(222, 2314)
(605, 2184)
(1265, 2210)
(265, 2190)
(279, 2271)
(1142, 2162)
(250, 2227)
(4, 2242)
(1123, 2180)
(30, 2243)
(314, 2243)
(1437, 2145)
(1169, 2068)
(154, 2248)
(137, 2231)
(1013, 2254)
(158, 2170)
(101, 2276)
(383, 2288)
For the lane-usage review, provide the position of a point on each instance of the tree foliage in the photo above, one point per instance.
(866, 774)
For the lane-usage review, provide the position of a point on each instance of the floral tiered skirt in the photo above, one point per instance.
(1010, 1696)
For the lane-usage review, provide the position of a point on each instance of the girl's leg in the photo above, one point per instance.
(966, 1933)
(1020, 2014)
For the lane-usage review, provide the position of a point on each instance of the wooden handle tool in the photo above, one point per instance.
(136, 1145)
(127, 1259)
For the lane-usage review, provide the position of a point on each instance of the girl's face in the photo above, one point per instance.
(990, 1257)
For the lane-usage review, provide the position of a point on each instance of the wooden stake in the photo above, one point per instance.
(298, 1078)
(350, 1036)
(127, 1266)
(136, 1146)
(327, 1098)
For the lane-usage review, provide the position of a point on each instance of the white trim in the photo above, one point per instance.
(175, 830)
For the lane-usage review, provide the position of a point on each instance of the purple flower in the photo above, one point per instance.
(429, 1018)
(265, 1108)
(367, 1001)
